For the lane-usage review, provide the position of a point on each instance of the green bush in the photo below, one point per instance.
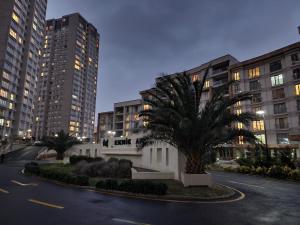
(294, 174)
(229, 169)
(74, 159)
(32, 168)
(134, 186)
(64, 177)
(261, 170)
(113, 168)
(244, 169)
(245, 162)
(276, 172)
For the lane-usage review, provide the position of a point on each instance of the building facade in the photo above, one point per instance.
(21, 35)
(67, 83)
(105, 124)
(126, 118)
(273, 79)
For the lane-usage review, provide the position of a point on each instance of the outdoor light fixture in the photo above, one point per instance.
(56, 135)
(260, 112)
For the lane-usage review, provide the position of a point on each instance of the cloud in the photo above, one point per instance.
(142, 38)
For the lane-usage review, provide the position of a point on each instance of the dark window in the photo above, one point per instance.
(281, 123)
(256, 98)
(278, 93)
(279, 108)
(254, 85)
(236, 88)
(296, 73)
(274, 66)
(294, 57)
(282, 138)
(298, 104)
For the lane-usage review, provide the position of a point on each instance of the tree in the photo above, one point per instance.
(176, 116)
(60, 143)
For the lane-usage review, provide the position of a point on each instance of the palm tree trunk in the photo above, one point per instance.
(60, 155)
(194, 164)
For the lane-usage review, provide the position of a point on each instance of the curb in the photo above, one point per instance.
(222, 199)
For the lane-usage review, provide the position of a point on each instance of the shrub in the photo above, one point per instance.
(244, 169)
(245, 162)
(32, 168)
(113, 168)
(229, 169)
(294, 174)
(276, 172)
(261, 170)
(134, 186)
(74, 159)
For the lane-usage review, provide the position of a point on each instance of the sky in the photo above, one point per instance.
(141, 39)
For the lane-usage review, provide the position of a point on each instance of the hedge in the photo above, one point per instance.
(134, 186)
(74, 159)
(35, 169)
(274, 171)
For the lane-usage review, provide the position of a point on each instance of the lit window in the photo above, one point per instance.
(1, 122)
(15, 17)
(261, 138)
(241, 140)
(77, 67)
(34, 26)
(277, 80)
(207, 84)
(195, 77)
(238, 111)
(236, 76)
(3, 93)
(258, 125)
(146, 107)
(240, 125)
(238, 104)
(13, 33)
(255, 72)
(297, 87)
(11, 106)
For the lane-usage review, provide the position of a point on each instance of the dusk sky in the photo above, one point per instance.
(142, 38)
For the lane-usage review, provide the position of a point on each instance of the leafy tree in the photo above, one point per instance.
(60, 143)
(176, 116)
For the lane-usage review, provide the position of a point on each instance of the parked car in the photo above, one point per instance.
(38, 143)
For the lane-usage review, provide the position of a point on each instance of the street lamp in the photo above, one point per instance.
(262, 114)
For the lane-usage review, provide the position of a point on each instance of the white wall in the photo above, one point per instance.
(164, 157)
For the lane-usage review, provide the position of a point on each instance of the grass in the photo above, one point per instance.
(176, 190)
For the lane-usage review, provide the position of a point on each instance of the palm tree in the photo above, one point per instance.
(175, 116)
(60, 143)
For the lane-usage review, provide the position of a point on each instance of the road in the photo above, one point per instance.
(34, 202)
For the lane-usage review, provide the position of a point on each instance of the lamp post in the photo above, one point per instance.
(262, 114)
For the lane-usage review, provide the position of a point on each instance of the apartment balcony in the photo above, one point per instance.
(219, 83)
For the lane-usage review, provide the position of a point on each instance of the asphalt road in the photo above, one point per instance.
(267, 201)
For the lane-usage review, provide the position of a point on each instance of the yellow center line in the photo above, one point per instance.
(22, 184)
(45, 204)
(4, 191)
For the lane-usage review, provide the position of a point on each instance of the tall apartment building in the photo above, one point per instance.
(105, 124)
(21, 35)
(274, 81)
(67, 83)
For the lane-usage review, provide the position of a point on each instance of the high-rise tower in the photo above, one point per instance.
(21, 31)
(68, 80)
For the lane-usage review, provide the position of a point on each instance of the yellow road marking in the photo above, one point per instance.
(45, 204)
(4, 191)
(129, 221)
(22, 184)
